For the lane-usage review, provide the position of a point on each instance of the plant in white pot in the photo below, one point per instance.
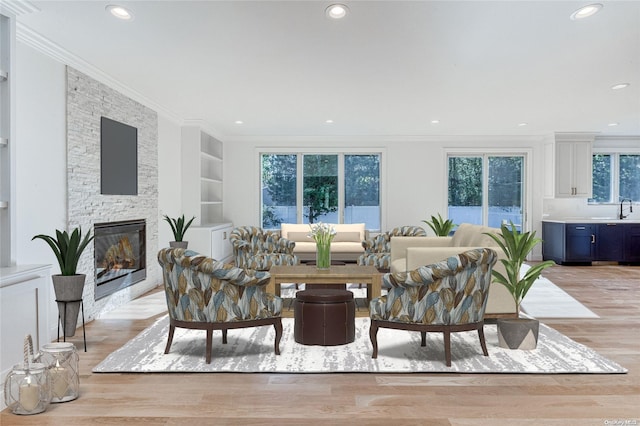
(179, 228)
(441, 227)
(517, 333)
(68, 285)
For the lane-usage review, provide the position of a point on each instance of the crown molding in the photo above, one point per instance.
(31, 38)
(203, 125)
(18, 7)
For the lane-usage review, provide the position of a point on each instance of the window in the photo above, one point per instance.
(311, 188)
(616, 176)
(486, 189)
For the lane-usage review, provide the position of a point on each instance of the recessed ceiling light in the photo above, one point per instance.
(329, 121)
(239, 122)
(586, 11)
(613, 124)
(620, 86)
(435, 121)
(120, 12)
(522, 124)
(336, 11)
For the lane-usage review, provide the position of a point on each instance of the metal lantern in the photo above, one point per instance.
(27, 388)
(61, 359)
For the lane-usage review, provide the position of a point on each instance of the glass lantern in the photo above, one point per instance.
(27, 388)
(61, 359)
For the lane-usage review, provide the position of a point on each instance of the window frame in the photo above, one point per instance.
(615, 173)
(527, 153)
(300, 152)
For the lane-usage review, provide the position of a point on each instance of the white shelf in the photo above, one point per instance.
(211, 180)
(202, 174)
(210, 156)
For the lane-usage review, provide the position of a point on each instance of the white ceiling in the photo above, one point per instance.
(388, 69)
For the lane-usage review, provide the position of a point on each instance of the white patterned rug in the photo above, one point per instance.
(250, 350)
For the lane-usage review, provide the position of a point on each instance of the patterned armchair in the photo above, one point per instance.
(203, 293)
(377, 250)
(254, 248)
(448, 296)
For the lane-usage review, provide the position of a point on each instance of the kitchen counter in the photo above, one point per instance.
(590, 220)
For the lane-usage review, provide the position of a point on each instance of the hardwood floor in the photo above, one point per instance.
(610, 291)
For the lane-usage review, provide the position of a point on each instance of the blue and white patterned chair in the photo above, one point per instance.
(377, 250)
(448, 296)
(206, 294)
(257, 249)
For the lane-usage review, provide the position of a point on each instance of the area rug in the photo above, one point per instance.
(547, 300)
(250, 350)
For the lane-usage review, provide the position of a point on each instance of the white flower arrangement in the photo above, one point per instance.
(322, 233)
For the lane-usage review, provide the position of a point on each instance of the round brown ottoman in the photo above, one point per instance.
(324, 317)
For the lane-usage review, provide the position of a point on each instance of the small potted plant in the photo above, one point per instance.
(68, 285)
(179, 228)
(441, 227)
(519, 333)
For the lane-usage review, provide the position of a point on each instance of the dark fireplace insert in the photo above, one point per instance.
(119, 254)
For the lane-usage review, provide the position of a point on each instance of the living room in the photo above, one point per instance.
(52, 191)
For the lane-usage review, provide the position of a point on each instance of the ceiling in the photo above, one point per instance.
(388, 69)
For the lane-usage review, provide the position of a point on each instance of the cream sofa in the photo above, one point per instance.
(408, 253)
(346, 245)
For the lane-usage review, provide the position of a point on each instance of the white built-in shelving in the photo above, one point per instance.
(202, 176)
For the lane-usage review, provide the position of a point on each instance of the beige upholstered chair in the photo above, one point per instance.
(448, 296)
(203, 293)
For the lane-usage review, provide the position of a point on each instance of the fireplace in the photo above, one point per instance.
(119, 255)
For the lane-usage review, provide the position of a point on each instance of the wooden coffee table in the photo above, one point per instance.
(336, 274)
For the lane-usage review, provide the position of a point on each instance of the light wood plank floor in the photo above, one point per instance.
(378, 399)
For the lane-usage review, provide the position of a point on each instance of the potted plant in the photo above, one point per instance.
(68, 285)
(440, 227)
(179, 228)
(518, 333)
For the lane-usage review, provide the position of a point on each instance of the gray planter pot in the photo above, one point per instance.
(179, 244)
(518, 333)
(69, 288)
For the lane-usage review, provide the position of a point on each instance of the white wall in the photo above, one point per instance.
(169, 177)
(41, 168)
(414, 174)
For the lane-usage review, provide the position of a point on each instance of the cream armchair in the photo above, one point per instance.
(408, 253)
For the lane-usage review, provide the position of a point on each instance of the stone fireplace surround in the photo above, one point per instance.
(87, 101)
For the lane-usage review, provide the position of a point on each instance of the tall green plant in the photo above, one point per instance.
(516, 247)
(440, 227)
(67, 249)
(178, 226)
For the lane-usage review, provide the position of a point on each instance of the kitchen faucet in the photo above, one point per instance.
(622, 216)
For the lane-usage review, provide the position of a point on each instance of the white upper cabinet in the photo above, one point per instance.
(573, 167)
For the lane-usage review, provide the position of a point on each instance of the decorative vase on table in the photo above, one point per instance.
(323, 255)
(323, 234)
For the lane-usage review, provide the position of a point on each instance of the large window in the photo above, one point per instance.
(311, 188)
(616, 176)
(486, 189)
